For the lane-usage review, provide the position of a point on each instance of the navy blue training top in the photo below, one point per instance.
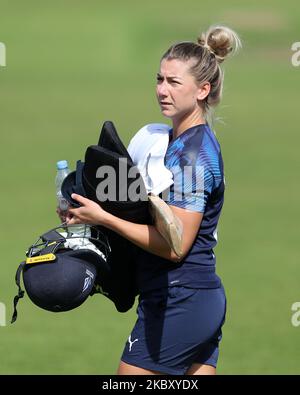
(195, 160)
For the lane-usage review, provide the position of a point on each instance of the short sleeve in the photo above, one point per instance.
(192, 186)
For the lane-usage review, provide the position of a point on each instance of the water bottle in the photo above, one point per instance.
(62, 171)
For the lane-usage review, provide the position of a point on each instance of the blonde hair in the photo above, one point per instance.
(210, 50)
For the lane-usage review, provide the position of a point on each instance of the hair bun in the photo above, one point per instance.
(221, 41)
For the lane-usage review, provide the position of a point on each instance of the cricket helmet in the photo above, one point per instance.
(62, 268)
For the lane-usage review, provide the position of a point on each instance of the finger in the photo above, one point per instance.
(73, 221)
(73, 211)
(79, 198)
(69, 216)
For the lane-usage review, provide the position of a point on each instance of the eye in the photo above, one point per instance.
(159, 79)
(175, 82)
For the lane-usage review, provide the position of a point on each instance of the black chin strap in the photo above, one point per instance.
(20, 291)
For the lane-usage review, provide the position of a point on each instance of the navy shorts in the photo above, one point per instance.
(176, 327)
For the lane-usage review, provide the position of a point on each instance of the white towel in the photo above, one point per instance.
(78, 242)
(147, 150)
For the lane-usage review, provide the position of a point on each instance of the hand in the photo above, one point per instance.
(64, 216)
(89, 213)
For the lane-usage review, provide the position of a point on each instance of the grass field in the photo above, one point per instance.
(72, 65)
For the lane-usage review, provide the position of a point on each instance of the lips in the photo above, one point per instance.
(164, 103)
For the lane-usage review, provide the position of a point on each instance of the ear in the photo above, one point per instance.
(203, 91)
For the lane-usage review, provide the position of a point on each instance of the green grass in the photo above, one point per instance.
(73, 65)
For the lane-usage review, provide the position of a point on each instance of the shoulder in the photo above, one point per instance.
(199, 150)
(153, 137)
(152, 129)
(202, 138)
(199, 144)
(150, 133)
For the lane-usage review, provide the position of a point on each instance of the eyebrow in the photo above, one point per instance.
(169, 77)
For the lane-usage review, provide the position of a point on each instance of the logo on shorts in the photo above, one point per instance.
(131, 342)
(87, 280)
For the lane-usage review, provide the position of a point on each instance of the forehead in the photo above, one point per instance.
(175, 67)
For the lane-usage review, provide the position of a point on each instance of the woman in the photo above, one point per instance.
(182, 304)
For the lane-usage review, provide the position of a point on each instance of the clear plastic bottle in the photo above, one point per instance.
(62, 172)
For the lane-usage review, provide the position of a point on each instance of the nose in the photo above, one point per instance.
(162, 90)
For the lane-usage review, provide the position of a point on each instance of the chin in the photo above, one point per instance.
(167, 113)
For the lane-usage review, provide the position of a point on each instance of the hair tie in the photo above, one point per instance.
(208, 48)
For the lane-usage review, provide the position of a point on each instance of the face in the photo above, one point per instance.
(177, 91)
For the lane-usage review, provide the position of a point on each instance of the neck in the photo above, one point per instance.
(186, 122)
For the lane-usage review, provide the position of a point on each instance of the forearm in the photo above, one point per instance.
(144, 236)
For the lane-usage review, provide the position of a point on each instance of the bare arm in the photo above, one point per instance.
(144, 236)
(148, 238)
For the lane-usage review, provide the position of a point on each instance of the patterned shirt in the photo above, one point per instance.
(195, 160)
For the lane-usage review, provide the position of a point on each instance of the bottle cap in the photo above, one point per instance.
(62, 164)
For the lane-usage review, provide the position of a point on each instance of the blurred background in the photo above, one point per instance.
(71, 65)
